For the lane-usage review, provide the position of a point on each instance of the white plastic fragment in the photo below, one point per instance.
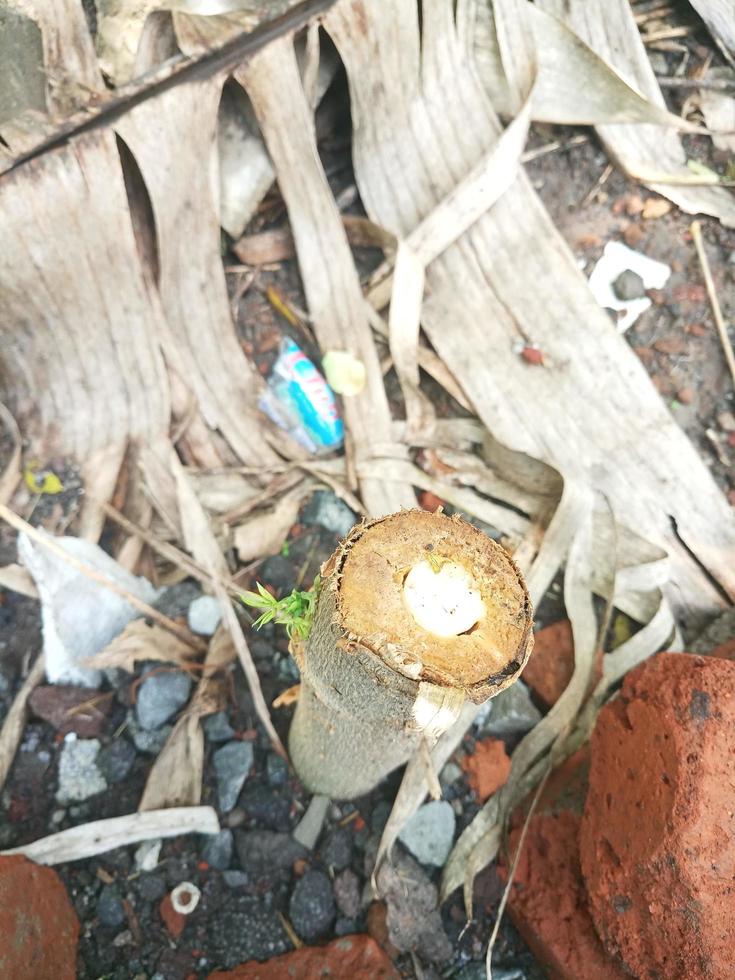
(146, 856)
(344, 372)
(615, 259)
(185, 898)
(80, 617)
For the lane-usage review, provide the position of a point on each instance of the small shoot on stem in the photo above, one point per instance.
(294, 611)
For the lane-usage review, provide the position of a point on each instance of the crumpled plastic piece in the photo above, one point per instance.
(79, 616)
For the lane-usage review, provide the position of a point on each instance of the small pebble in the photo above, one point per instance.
(276, 769)
(217, 728)
(232, 765)
(311, 908)
(685, 396)
(347, 893)
(512, 712)
(204, 615)
(344, 927)
(235, 879)
(146, 855)
(116, 759)
(326, 508)
(450, 774)
(336, 852)
(110, 909)
(160, 696)
(217, 850)
(429, 833)
(629, 285)
(79, 777)
(150, 887)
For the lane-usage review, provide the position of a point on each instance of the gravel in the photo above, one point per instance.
(429, 833)
(232, 764)
(217, 727)
(160, 696)
(110, 909)
(276, 769)
(311, 908)
(242, 930)
(326, 509)
(629, 285)
(79, 777)
(263, 852)
(347, 893)
(336, 852)
(204, 615)
(217, 850)
(116, 760)
(510, 713)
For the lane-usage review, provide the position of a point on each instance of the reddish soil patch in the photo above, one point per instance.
(657, 843)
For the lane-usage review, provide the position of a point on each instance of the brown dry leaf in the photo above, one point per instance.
(264, 533)
(718, 16)
(577, 83)
(288, 697)
(517, 274)
(175, 778)
(72, 301)
(15, 720)
(139, 642)
(10, 475)
(90, 839)
(277, 244)
(718, 110)
(177, 168)
(641, 151)
(17, 578)
(330, 280)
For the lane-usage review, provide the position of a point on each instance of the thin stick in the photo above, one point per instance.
(713, 301)
(50, 544)
(15, 719)
(714, 84)
(167, 550)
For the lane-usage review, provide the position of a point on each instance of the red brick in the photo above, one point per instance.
(348, 958)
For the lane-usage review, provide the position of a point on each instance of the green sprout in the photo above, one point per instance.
(295, 611)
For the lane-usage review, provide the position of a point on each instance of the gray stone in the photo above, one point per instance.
(175, 600)
(151, 742)
(263, 852)
(429, 833)
(79, 777)
(217, 850)
(414, 920)
(511, 713)
(347, 893)
(450, 774)
(150, 887)
(116, 759)
(719, 631)
(629, 285)
(344, 927)
(311, 908)
(325, 508)
(110, 909)
(244, 930)
(160, 696)
(235, 879)
(204, 615)
(336, 852)
(276, 769)
(231, 765)
(217, 728)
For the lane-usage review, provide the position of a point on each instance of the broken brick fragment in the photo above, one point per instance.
(552, 663)
(657, 843)
(39, 928)
(487, 768)
(349, 958)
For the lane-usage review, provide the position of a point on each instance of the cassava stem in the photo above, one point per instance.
(416, 613)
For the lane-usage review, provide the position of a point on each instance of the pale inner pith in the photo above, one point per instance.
(443, 601)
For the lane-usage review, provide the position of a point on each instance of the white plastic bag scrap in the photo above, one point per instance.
(79, 617)
(618, 258)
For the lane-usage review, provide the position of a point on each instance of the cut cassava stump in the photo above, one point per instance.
(417, 613)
